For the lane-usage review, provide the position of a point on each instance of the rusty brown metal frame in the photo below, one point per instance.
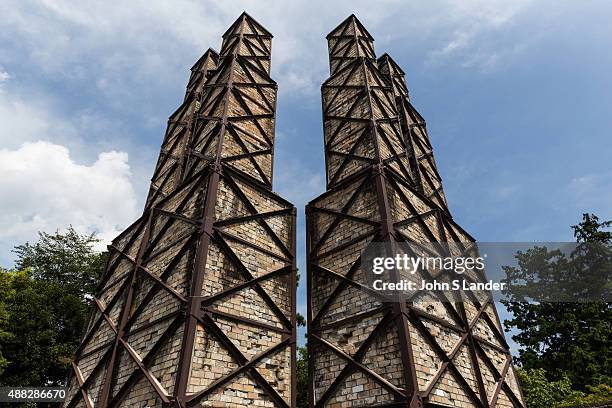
(199, 234)
(398, 314)
(180, 128)
(401, 311)
(411, 119)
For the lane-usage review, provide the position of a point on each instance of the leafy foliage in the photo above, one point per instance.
(67, 259)
(301, 321)
(5, 292)
(44, 305)
(570, 340)
(599, 394)
(302, 378)
(539, 392)
(591, 230)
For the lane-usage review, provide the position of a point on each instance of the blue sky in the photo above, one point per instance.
(516, 96)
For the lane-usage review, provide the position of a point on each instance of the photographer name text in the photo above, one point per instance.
(435, 285)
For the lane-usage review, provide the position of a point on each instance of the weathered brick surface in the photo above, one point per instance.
(197, 303)
(383, 186)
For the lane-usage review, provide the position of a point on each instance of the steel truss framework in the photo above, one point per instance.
(383, 186)
(197, 302)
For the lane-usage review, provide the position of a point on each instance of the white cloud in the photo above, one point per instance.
(44, 189)
(591, 192)
(144, 43)
(473, 23)
(72, 72)
(24, 122)
(296, 183)
(29, 117)
(117, 46)
(3, 77)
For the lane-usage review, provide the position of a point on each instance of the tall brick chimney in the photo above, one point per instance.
(366, 349)
(196, 306)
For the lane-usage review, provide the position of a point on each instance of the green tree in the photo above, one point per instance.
(302, 369)
(570, 340)
(539, 392)
(302, 378)
(46, 304)
(6, 291)
(595, 395)
(68, 259)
